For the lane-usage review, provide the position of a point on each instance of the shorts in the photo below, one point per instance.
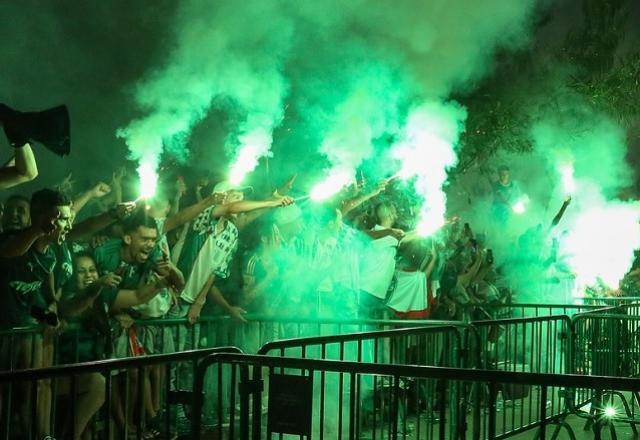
(156, 339)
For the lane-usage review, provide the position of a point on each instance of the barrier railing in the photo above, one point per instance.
(295, 407)
(172, 335)
(527, 310)
(538, 344)
(426, 345)
(85, 396)
(606, 344)
(526, 344)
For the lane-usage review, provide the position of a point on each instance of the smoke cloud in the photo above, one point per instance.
(602, 229)
(348, 72)
(226, 55)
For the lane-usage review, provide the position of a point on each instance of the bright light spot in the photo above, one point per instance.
(253, 146)
(331, 185)
(568, 180)
(148, 179)
(601, 241)
(520, 206)
(610, 411)
(426, 227)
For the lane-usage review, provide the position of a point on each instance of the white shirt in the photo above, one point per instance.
(409, 293)
(378, 264)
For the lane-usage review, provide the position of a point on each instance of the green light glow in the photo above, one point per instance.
(568, 181)
(148, 179)
(331, 185)
(610, 412)
(520, 206)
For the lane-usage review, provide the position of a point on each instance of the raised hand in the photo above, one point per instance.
(101, 189)
(66, 185)
(181, 187)
(398, 234)
(110, 280)
(123, 210)
(118, 175)
(236, 313)
(216, 199)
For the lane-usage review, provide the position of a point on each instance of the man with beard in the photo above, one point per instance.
(27, 280)
(16, 214)
(142, 273)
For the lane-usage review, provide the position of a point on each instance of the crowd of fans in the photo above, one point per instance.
(93, 259)
(201, 246)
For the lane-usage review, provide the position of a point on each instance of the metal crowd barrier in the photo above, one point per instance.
(294, 409)
(529, 310)
(606, 344)
(538, 345)
(427, 345)
(213, 331)
(22, 390)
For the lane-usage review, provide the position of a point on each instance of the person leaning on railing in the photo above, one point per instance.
(27, 278)
(141, 274)
(81, 305)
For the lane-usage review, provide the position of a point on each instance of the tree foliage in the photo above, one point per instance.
(500, 112)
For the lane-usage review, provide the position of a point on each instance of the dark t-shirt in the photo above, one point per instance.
(505, 194)
(24, 282)
(108, 258)
(64, 267)
(88, 340)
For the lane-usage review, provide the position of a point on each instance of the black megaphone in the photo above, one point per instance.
(48, 127)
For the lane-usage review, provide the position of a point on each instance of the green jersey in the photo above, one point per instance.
(109, 259)
(25, 283)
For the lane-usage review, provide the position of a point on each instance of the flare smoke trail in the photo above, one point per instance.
(435, 48)
(587, 151)
(426, 151)
(226, 55)
(380, 58)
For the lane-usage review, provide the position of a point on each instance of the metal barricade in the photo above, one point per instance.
(607, 344)
(295, 407)
(538, 345)
(490, 312)
(425, 345)
(76, 399)
(175, 335)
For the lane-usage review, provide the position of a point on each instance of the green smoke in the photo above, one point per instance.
(226, 55)
(348, 72)
(578, 151)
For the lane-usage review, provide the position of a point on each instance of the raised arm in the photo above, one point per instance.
(98, 191)
(91, 226)
(398, 234)
(129, 298)
(21, 169)
(349, 205)
(560, 213)
(21, 242)
(191, 212)
(250, 205)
